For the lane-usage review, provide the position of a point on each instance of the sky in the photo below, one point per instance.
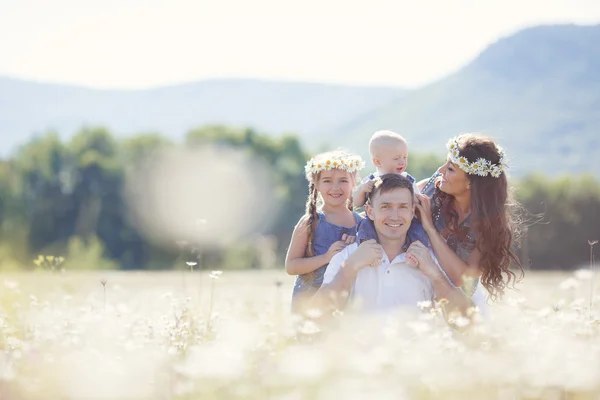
(134, 44)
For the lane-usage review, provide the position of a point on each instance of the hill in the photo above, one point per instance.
(312, 109)
(537, 92)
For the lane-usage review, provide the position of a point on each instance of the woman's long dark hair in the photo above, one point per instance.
(494, 217)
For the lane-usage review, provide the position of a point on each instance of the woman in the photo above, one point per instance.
(465, 209)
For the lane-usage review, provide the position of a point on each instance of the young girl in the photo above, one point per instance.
(328, 225)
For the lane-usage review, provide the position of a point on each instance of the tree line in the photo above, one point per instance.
(65, 199)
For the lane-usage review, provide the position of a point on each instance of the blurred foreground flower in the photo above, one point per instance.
(215, 275)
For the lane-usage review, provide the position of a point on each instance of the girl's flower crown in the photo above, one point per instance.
(344, 162)
(481, 166)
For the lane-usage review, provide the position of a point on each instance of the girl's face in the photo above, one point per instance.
(455, 181)
(335, 186)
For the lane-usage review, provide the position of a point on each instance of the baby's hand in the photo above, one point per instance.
(367, 187)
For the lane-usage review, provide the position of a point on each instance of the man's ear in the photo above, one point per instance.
(369, 210)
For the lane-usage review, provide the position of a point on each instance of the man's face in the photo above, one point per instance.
(392, 213)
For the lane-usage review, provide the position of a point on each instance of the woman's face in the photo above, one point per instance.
(455, 181)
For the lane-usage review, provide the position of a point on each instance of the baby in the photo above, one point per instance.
(389, 153)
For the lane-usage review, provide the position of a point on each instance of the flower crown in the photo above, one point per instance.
(344, 162)
(481, 166)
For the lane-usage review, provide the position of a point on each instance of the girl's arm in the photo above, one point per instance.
(296, 262)
(421, 184)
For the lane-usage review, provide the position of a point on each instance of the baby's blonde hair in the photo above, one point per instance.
(384, 138)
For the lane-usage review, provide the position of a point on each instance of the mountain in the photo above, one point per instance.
(311, 109)
(537, 92)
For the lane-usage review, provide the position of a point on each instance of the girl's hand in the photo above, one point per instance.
(348, 239)
(335, 248)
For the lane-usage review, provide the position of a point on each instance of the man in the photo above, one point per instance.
(375, 274)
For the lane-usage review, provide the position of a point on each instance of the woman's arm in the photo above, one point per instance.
(422, 183)
(450, 262)
(456, 298)
(296, 262)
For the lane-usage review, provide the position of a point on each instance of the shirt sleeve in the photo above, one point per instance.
(336, 264)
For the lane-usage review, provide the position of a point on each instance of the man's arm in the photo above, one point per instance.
(334, 295)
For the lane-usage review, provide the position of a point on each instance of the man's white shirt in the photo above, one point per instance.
(393, 284)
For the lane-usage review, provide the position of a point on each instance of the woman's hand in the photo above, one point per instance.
(423, 204)
(339, 246)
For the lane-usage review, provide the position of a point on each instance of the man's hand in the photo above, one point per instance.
(419, 253)
(369, 253)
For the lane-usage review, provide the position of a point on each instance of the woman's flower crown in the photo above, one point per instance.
(344, 162)
(481, 166)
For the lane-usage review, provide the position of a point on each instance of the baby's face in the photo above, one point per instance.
(392, 159)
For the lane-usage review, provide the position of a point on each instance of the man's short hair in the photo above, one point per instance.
(388, 182)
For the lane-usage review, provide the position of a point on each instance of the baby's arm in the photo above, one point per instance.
(359, 198)
(296, 262)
